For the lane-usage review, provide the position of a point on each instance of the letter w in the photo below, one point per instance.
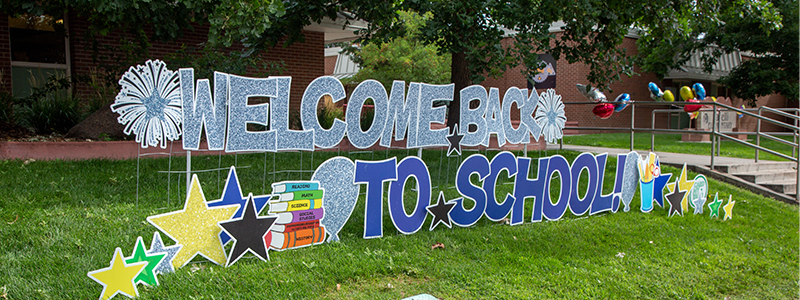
(198, 109)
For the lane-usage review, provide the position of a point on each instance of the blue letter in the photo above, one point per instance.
(410, 166)
(555, 211)
(478, 164)
(374, 173)
(579, 205)
(526, 188)
(496, 211)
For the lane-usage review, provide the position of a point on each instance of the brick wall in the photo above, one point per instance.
(330, 64)
(567, 75)
(5, 54)
(303, 61)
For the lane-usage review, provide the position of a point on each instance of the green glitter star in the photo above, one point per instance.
(147, 276)
(714, 206)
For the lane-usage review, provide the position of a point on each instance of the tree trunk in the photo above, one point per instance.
(459, 74)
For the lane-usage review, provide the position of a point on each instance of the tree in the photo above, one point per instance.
(473, 31)
(768, 30)
(404, 57)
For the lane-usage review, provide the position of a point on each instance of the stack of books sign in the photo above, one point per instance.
(298, 205)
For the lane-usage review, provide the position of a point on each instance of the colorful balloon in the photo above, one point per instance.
(655, 92)
(668, 96)
(591, 93)
(686, 93)
(692, 107)
(621, 102)
(699, 90)
(603, 110)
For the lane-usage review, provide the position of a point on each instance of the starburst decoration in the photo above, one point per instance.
(550, 115)
(149, 104)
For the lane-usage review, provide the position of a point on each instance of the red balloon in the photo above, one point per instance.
(603, 110)
(692, 107)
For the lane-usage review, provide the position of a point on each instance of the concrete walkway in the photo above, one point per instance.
(698, 164)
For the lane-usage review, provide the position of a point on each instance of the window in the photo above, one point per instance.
(39, 49)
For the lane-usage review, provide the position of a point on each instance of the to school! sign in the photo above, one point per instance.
(157, 105)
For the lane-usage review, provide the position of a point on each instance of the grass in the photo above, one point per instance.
(59, 220)
(673, 143)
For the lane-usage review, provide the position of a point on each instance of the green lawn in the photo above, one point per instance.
(59, 220)
(672, 143)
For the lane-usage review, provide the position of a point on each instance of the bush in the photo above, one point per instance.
(53, 113)
(328, 113)
(50, 108)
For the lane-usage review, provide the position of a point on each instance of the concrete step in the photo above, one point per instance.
(768, 176)
(755, 167)
(788, 187)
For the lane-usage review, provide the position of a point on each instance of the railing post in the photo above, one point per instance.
(758, 132)
(633, 107)
(652, 127)
(713, 134)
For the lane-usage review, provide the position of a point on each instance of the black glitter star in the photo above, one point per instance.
(248, 233)
(441, 212)
(675, 199)
(455, 141)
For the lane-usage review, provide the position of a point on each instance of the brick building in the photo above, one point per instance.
(31, 50)
(580, 115)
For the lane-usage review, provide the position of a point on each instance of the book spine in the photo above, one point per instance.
(285, 187)
(300, 216)
(295, 205)
(295, 226)
(297, 239)
(299, 195)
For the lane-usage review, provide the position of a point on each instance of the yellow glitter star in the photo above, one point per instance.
(728, 208)
(118, 277)
(195, 227)
(685, 185)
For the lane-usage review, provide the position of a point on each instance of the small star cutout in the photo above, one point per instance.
(157, 247)
(674, 199)
(455, 141)
(248, 233)
(728, 208)
(714, 206)
(195, 227)
(658, 188)
(685, 185)
(118, 277)
(148, 275)
(441, 212)
(232, 194)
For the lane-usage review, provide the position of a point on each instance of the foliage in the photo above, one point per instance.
(206, 59)
(50, 108)
(64, 218)
(404, 57)
(328, 113)
(768, 30)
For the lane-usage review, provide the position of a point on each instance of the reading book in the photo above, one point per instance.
(298, 195)
(295, 239)
(294, 226)
(291, 186)
(300, 216)
(295, 205)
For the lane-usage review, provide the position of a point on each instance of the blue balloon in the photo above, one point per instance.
(699, 91)
(655, 92)
(621, 102)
